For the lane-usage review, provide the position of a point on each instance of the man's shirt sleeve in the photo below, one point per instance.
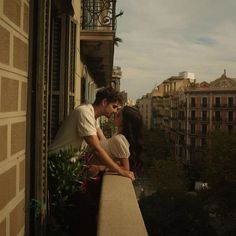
(86, 124)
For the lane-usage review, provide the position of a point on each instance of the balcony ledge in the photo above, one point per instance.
(97, 35)
(119, 212)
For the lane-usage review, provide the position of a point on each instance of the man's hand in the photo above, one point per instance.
(94, 170)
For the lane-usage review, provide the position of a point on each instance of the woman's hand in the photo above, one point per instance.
(127, 173)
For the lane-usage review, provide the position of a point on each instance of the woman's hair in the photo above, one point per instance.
(109, 93)
(133, 130)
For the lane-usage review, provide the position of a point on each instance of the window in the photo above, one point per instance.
(192, 128)
(193, 104)
(193, 142)
(204, 115)
(62, 75)
(180, 152)
(217, 101)
(204, 129)
(230, 116)
(217, 116)
(203, 142)
(230, 101)
(230, 128)
(82, 89)
(193, 115)
(204, 101)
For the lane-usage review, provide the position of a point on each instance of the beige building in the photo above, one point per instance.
(144, 105)
(155, 106)
(188, 112)
(116, 77)
(208, 108)
(54, 54)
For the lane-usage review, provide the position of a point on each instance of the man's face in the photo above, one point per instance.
(110, 109)
(118, 119)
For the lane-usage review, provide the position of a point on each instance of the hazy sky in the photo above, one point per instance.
(164, 37)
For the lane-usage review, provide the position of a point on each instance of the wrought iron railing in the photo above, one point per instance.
(98, 14)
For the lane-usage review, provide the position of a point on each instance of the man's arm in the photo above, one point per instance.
(100, 134)
(93, 142)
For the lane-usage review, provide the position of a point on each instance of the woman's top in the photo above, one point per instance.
(117, 146)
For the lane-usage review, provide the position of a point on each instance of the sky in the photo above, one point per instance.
(164, 37)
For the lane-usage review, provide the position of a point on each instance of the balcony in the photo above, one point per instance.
(181, 131)
(205, 106)
(217, 106)
(229, 120)
(204, 120)
(119, 213)
(193, 119)
(97, 37)
(216, 120)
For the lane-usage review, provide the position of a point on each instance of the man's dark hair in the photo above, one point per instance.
(109, 93)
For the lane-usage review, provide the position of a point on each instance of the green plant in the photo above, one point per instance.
(66, 173)
(66, 179)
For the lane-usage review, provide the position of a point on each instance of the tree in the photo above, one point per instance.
(156, 147)
(169, 216)
(168, 177)
(221, 161)
(220, 173)
(171, 210)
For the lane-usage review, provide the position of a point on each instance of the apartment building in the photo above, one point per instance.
(209, 107)
(54, 55)
(145, 106)
(188, 112)
(116, 76)
(155, 106)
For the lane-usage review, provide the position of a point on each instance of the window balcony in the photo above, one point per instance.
(97, 36)
(229, 120)
(205, 106)
(217, 106)
(204, 120)
(193, 119)
(217, 120)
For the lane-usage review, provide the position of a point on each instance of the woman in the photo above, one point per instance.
(125, 146)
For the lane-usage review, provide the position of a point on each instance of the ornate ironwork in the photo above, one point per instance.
(98, 14)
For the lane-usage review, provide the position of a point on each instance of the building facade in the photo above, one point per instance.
(54, 55)
(189, 112)
(155, 106)
(208, 108)
(14, 48)
(116, 77)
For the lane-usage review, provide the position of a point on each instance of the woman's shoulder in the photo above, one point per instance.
(120, 138)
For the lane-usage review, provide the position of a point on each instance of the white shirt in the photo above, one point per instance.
(80, 123)
(117, 146)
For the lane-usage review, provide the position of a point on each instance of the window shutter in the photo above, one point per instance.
(62, 76)
(72, 54)
(55, 77)
(69, 62)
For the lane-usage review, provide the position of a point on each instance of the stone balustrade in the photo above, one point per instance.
(119, 212)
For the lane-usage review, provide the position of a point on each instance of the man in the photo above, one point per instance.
(82, 125)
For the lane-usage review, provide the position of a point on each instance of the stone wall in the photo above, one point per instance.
(14, 29)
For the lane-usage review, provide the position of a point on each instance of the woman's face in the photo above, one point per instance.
(118, 121)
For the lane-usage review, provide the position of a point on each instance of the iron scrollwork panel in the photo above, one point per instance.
(98, 14)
